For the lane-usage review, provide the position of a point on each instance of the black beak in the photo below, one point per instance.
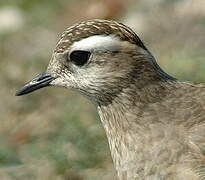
(38, 82)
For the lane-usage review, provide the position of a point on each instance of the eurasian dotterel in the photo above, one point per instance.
(155, 124)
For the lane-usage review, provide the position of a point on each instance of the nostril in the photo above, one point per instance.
(43, 76)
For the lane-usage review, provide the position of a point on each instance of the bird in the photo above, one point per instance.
(154, 123)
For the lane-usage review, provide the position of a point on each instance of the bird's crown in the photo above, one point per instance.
(95, 27)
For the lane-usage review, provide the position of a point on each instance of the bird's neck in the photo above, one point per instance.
(132, 102)
(124, 124)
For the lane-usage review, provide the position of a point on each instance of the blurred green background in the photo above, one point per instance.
(55, 133)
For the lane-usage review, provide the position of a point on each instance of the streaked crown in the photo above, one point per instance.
(89, 28)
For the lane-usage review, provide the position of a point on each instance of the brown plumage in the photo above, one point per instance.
(155, 124)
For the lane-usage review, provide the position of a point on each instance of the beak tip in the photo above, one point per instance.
(18, 93)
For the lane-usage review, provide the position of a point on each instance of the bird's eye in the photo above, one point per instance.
(79, 57)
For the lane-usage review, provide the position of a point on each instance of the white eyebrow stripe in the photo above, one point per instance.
(98, 42)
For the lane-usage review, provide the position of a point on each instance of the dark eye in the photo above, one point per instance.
(79, 57)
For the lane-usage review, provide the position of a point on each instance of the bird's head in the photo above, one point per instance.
(98, 58)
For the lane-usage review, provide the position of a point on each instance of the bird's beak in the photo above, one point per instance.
(38, 82)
